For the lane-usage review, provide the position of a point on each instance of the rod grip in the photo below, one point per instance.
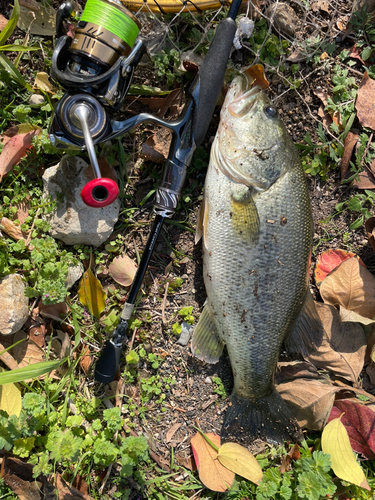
(108, 363)
(211, 76)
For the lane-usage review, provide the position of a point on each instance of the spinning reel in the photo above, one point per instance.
(96, 68)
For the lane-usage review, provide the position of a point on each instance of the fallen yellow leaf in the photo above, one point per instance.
(213, 475)
(42, 82)
(336, 443)
(10, 398)
(240, 461)
(91, 294)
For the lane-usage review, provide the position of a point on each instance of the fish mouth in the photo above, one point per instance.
(244, 102)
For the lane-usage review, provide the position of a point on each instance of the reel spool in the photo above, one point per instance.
(96, 68)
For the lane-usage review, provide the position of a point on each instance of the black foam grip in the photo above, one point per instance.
(211, 76)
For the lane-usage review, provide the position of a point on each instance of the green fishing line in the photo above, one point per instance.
(112, 19)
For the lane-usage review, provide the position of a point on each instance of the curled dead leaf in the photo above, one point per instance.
(328, 261)
(343, 346)
(309, 400)
(255, 74)
(14, 150)
(123, 270)
(352, 286)
(365, 102)
(350, 142)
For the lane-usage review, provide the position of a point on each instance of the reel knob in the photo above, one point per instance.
(100, 192)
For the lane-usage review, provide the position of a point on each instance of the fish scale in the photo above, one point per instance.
(257, 235)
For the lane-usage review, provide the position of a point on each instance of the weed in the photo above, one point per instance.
(186, 314)
(219, 387)
(361, 203)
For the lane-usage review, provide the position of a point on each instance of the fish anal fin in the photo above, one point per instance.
(308, 330)
(245, 217)
(206, 344)
(267, 418)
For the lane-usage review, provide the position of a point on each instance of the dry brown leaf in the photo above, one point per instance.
(14, 150)
(42, 82)
(37, 334)
(18, 476)
(156, 147)
(53, 311)
(8, 360)
(290, 370)
(80, 484)
(325, 116)
(171, 432)
(352, 286)
(42, 20)
(65, 491)
(365, 102)
(370, 370)
(310, 401)
(122, 269)
(27, 352)
(85, 359)
(349, 145)
(213, 475)
(370, 229)
(366, 177)
(23, 208)
(12, 230)
(3, 22)
(343, 345)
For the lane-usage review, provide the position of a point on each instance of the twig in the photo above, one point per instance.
(27, 243)
(109, 470)
(164, 302)
(132, 340)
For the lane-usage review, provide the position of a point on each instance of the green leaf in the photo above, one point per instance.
(18, 48)
(10, 398)
(366, 53)
(14, 73)
(11, 24)
(30, 371)
(357, 223)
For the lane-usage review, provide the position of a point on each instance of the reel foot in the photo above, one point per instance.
(100, 192)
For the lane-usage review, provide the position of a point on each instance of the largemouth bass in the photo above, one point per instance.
(257, 234)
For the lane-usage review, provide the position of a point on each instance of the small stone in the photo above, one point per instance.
(36, 99)
(207, 380)
(14, 308)
(74, 274)
(363, 242)
(184, 337)
(72, 221)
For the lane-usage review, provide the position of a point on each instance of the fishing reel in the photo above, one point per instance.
(95, 66)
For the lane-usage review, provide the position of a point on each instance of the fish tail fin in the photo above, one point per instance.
(267, 418)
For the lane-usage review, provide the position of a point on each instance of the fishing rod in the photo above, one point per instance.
(97, 74)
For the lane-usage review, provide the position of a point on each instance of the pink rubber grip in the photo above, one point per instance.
(100, 192)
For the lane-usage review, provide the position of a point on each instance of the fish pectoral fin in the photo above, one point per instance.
(201, 229)
(308, 330)
(206, 344)
(245, 217)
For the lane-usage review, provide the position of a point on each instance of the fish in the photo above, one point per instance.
(257, 230)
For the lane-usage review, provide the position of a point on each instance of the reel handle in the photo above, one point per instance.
(100, 192)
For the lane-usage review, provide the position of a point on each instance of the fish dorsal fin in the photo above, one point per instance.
(244, 214)
(206, 344)
(201, 229)
(308, 331)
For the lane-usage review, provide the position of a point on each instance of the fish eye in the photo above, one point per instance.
(270, 111)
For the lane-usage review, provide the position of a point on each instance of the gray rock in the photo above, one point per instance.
(184, 337)
(14, 308)
(74, 274)
(283, 18)
(73, 222)
(36, 99)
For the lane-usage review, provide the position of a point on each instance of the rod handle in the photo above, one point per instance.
(108, 363)
(211, 76)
